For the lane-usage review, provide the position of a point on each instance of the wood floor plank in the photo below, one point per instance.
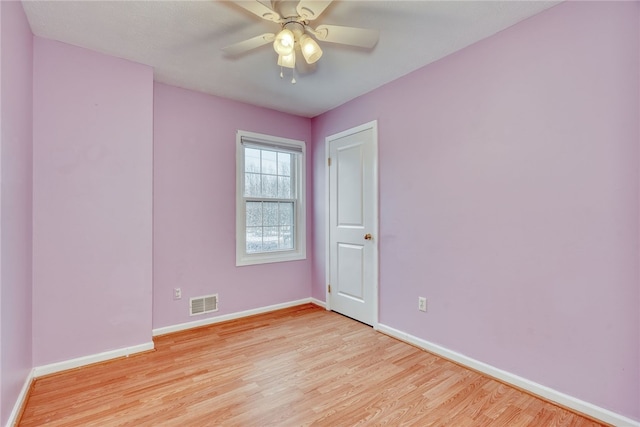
(301, 366)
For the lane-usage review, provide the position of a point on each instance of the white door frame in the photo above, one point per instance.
(373, 125)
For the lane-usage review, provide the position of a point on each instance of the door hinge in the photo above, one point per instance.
(329, 288)
(329, 161)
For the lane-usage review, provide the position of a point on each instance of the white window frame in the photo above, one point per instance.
(299, 250)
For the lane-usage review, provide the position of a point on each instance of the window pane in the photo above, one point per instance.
(286, 237)
(251, 160)
(270, 226)
(284, 187)
(252, 185)
(254, 239)
(285, 214)
(268, 174)
(269, 186)
(284, 164)
(254, 214)
(270, 213)
(269, 162)
(270, 239)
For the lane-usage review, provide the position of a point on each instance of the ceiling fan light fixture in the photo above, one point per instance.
(284, 42)
(310, 49)
(287, 61)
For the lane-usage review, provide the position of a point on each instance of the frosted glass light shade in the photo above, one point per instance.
(287, 61)
(310, 49)
(284, 42)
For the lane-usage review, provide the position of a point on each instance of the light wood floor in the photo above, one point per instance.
(295, 367)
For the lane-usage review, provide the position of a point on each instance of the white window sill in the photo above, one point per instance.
(267, 258)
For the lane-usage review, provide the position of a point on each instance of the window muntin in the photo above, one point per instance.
(270, 226)
(270, 207)
(267, 173)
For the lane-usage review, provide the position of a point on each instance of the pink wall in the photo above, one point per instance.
(194, 206)
(92, 193)
(509, 198)
(2, 418)
(16, 148)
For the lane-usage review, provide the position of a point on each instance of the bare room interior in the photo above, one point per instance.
(284, 213)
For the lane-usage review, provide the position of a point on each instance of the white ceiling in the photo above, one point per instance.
(182, 41)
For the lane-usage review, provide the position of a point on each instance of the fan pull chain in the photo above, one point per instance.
(293, 74)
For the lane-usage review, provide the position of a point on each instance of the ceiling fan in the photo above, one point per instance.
(296, 34)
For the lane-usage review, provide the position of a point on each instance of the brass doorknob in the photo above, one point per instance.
(367, 236)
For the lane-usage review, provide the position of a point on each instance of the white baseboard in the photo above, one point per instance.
(22, 397)
(87, 360)
(232, 316)
(318, 302)
(538, 389)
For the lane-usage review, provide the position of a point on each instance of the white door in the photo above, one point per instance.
(353, 223)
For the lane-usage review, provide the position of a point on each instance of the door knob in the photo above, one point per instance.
(367, 236)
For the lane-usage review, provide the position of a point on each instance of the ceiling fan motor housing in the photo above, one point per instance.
(296, 27)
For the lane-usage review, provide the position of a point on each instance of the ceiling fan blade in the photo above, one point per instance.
(259, 9)
(250, 44)
(311, 9)
(361, 37)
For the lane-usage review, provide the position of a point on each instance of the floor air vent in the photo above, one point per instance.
(205, 304)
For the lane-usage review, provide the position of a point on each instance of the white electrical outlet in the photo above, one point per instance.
(422, 304)
(177, 293)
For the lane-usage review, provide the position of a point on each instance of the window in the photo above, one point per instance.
(270, 207)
